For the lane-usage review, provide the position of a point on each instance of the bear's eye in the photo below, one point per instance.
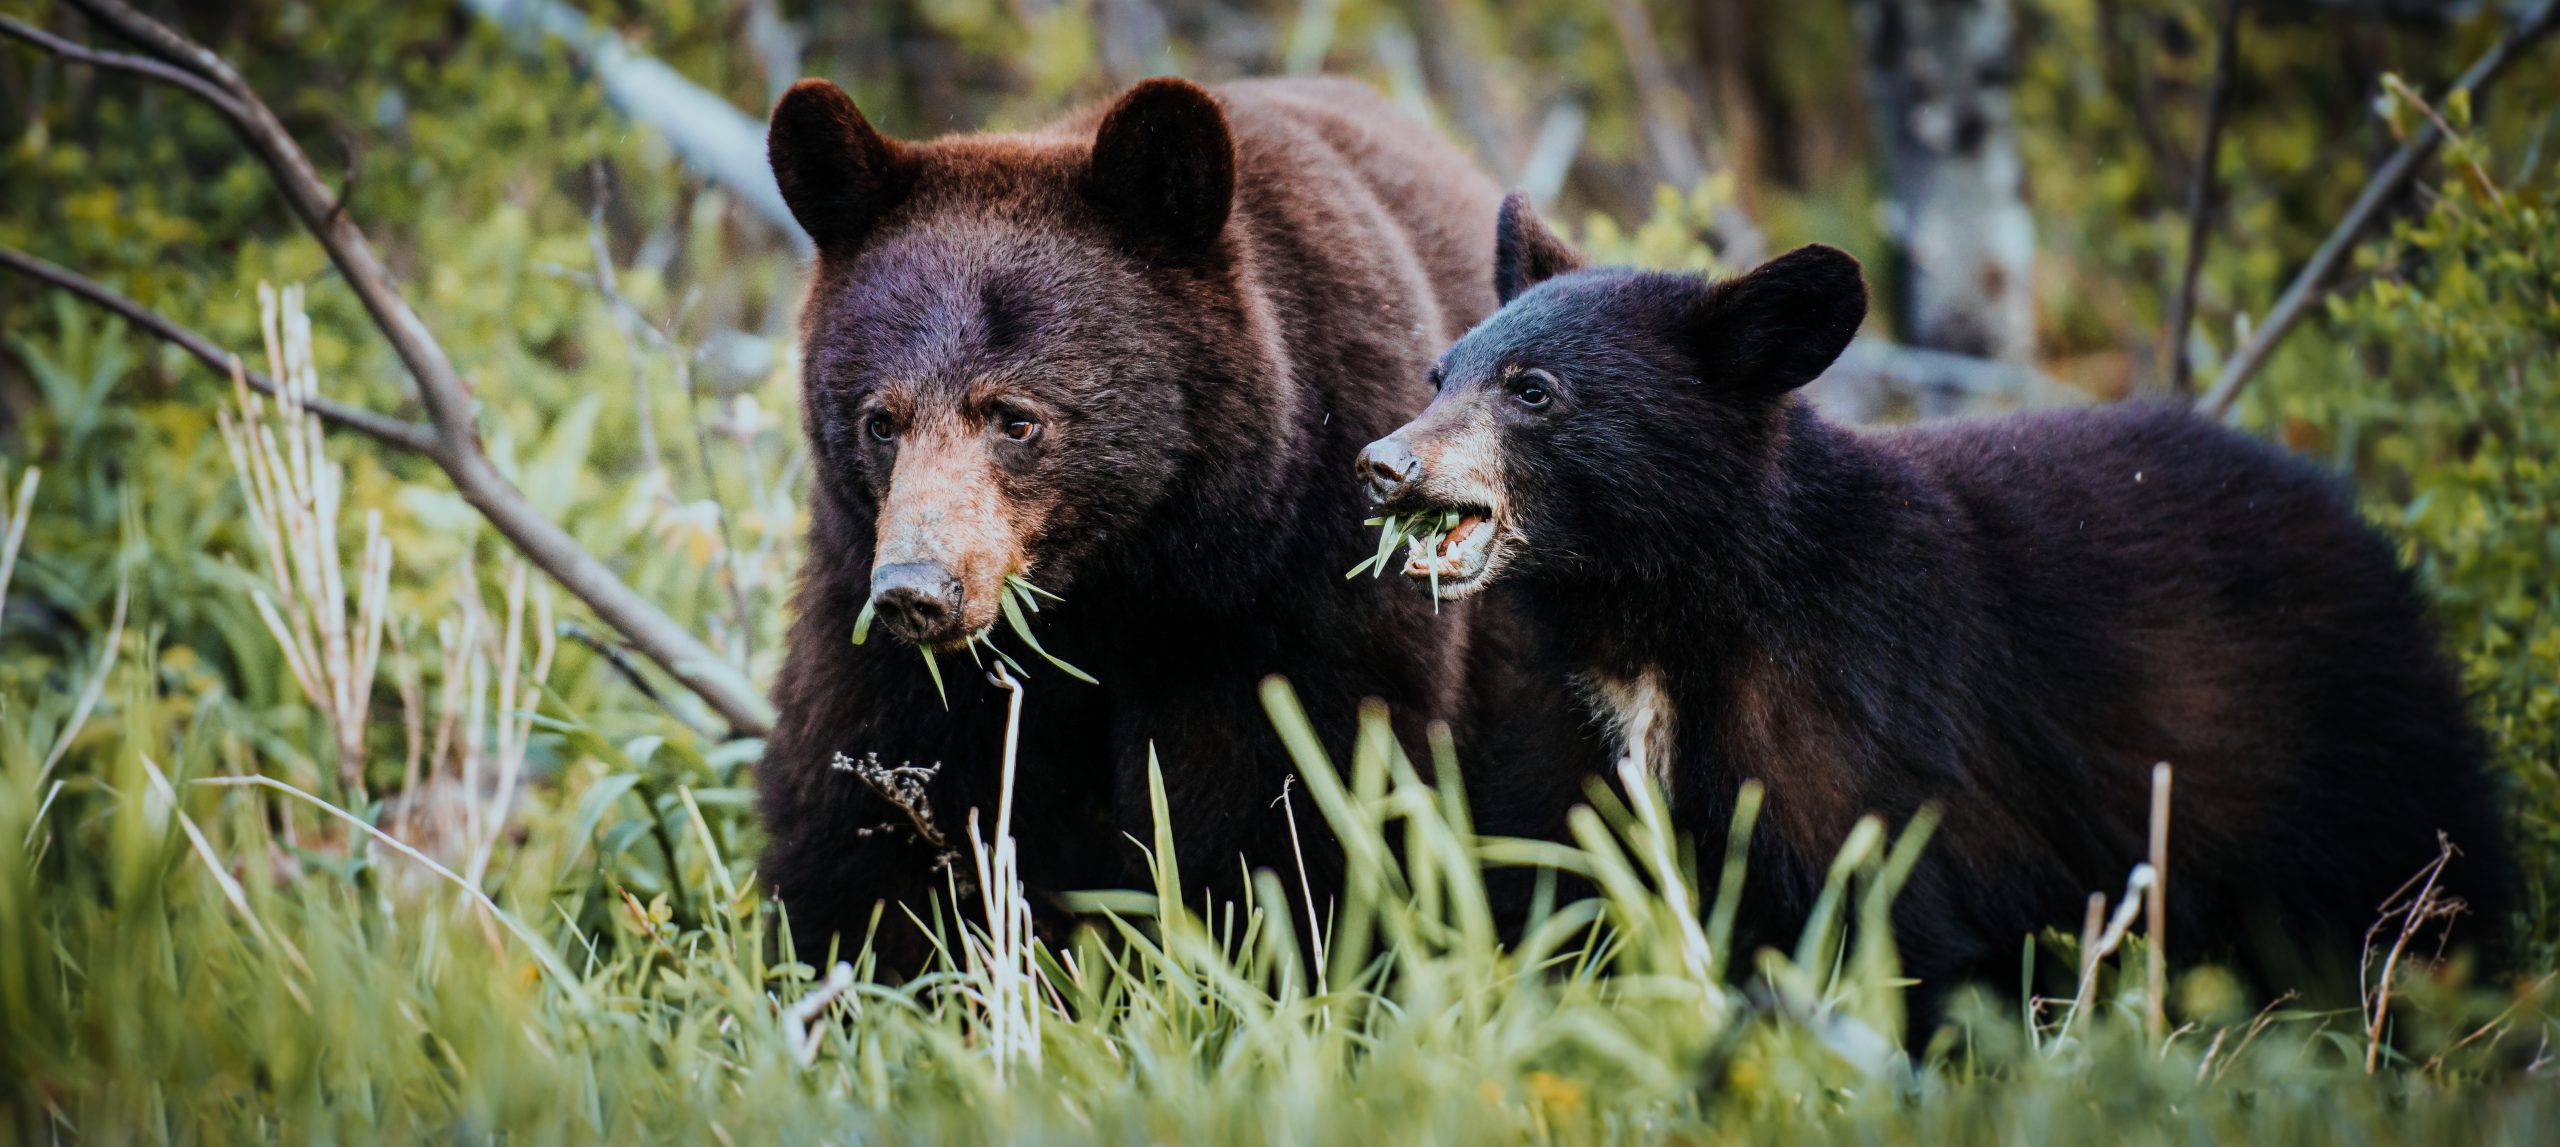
(1531, 389)
(881, 427)
(1017, 428)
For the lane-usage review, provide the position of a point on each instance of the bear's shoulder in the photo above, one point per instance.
(2065, 452)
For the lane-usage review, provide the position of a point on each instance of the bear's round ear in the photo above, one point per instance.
(1164, 165)
(1782, 325)
(838, 174)
(1525, 253)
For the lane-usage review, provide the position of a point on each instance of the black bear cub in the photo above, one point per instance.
(2010, 619)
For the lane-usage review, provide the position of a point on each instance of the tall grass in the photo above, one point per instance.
(172, 969)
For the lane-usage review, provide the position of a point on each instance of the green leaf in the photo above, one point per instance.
(935, 671)
(1022, 626)
(591, 809)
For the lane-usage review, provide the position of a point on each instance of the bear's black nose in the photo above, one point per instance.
(919, 601)
(1388, 469)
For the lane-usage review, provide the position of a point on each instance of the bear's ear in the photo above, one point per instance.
(1164, 166)
(1525, 253)
(838, 174)
(1781, 326)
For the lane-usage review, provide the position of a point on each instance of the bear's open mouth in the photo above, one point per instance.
(1455, 558)
(1453, 549)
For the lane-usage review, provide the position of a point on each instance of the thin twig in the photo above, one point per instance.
(2155, 948)
(441, 389)
(620, 660)
(2200, 199)
(2108, 940)
(2379, 192)
(194, 83)
(390, 431)
(1306, 889)
(2413, 912)
(2529, 995)
(2266, 1016)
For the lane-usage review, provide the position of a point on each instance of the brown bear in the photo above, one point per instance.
(1124, 358)
(2012, 620)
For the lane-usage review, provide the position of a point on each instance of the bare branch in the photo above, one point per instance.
(2385, 186)
(389, 431)
(441, 388)
(193, 82)
(2200, 200)
(620, 660)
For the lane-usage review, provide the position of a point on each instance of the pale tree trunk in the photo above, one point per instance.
(1131, 35)
(1939, 73)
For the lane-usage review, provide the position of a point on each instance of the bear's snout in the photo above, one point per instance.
(1388, 470)
(918, 601)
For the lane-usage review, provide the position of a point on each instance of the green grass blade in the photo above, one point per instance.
(935, 671)
(1007, 658)
(1025, 583)
(1022, 627)
(862, 623)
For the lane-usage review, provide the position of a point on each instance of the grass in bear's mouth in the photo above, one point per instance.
(1020, 599)
(1427, 530)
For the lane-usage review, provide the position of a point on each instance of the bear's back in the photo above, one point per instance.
(2205, 597)
(1343, 189)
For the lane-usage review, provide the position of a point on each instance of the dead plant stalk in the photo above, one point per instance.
(294, 494)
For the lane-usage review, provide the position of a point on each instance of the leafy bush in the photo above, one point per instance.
(2436, 388)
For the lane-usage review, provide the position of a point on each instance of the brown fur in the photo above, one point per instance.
(1207, 301)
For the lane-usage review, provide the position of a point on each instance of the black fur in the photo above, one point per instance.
(2012, 620)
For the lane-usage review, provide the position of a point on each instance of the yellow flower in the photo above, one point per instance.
(1553, 1094)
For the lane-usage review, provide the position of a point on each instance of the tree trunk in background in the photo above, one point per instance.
(1456, 69)
(1939, 74)
(1720, 32)
(1130, 36)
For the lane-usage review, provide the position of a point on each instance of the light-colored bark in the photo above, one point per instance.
(1939, 74)
(1882, 381)
(715, 139)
